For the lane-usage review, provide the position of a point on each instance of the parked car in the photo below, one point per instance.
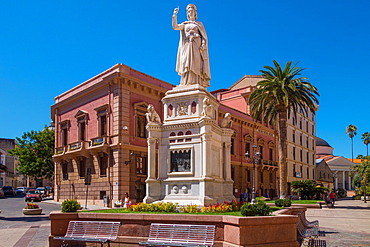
(33, 195)
(2, 195)
(42, 191)
(9, 191)
(21, 190)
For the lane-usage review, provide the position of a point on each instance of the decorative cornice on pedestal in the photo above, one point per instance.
(186, 88)
(180, 126)
(154, 127)
(227, 131)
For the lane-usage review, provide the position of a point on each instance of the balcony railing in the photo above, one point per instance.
(59, 150)
(77, 146)
(270, 163)
(98, 141)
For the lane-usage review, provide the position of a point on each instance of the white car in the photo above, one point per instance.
(21, 190)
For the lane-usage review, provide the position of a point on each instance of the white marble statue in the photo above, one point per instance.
(192, 57)
(227, 122)
(152, 116)
(207, 108)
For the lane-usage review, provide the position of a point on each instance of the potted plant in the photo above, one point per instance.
(32, 208)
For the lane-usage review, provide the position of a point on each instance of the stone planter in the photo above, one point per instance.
(231, 231)
(32, 211)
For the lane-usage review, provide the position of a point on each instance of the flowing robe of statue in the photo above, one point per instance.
(192, 56)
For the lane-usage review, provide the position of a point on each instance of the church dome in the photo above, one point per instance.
(321, 142)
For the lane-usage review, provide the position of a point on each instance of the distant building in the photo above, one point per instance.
(8, 164)
(340, 166)
(324, 175)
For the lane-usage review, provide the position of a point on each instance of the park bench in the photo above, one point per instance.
(91, 231)
(307, 235)
(180, 235)
(307, 223)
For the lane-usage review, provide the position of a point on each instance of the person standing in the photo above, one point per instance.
(332, 198)
(126, 201)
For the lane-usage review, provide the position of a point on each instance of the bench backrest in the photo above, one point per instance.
(186, 234)
(93, 229)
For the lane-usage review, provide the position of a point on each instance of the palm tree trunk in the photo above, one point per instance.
(352, 148)
(282, 150)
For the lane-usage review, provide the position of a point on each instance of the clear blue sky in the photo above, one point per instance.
(48, 47)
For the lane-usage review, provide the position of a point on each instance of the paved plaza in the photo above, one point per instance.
(348, 224)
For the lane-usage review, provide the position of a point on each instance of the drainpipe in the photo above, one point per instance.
(108, 150)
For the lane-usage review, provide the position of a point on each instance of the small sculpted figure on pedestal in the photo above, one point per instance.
(152, 116)
(207, 108)
(192, 57)
(227, 122)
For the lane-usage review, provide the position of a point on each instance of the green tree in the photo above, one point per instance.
(366, 139)
(281, 92)
(351, 131)
(363, 170)
(307, 189)
(34, 151)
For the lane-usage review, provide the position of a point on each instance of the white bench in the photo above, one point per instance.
(180, 235)
(91, 231)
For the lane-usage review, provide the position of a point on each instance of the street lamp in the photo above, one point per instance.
(256, 159)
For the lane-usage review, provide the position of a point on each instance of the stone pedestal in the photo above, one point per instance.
(193, 158)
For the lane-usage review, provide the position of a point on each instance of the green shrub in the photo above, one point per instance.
(283, 202)
(279, 202)
(258, 209)
(70, 206)
(287, 202)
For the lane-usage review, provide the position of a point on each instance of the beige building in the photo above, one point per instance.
(8, 164)
(340, 166)
(324, 175)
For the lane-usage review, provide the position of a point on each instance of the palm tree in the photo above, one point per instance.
(351, 131)
(366, 139)
(281, 92)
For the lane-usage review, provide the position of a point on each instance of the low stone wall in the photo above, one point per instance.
(231, 231)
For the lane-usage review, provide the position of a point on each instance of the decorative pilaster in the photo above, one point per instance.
(151, 158)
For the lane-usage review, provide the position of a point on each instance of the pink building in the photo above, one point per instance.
(101, 138)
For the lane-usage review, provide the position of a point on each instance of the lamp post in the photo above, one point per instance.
(255, 159)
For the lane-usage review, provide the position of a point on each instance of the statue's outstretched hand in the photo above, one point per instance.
(175, 11)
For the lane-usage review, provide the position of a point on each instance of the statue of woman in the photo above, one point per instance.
(192, 56)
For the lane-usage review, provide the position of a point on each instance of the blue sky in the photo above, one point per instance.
(48, 47)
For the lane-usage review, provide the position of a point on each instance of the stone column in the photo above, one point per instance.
(344, 179)
(206, 155)
(336, 180)
(349, 182)
(227, 162)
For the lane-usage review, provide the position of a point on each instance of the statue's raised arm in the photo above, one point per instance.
(192, 57)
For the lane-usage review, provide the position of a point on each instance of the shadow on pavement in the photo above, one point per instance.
(352, 207)
(26, 219)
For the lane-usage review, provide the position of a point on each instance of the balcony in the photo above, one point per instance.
(269, 163)
(60, 150)
(98, 141)
(99, 144)
(78, 146)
